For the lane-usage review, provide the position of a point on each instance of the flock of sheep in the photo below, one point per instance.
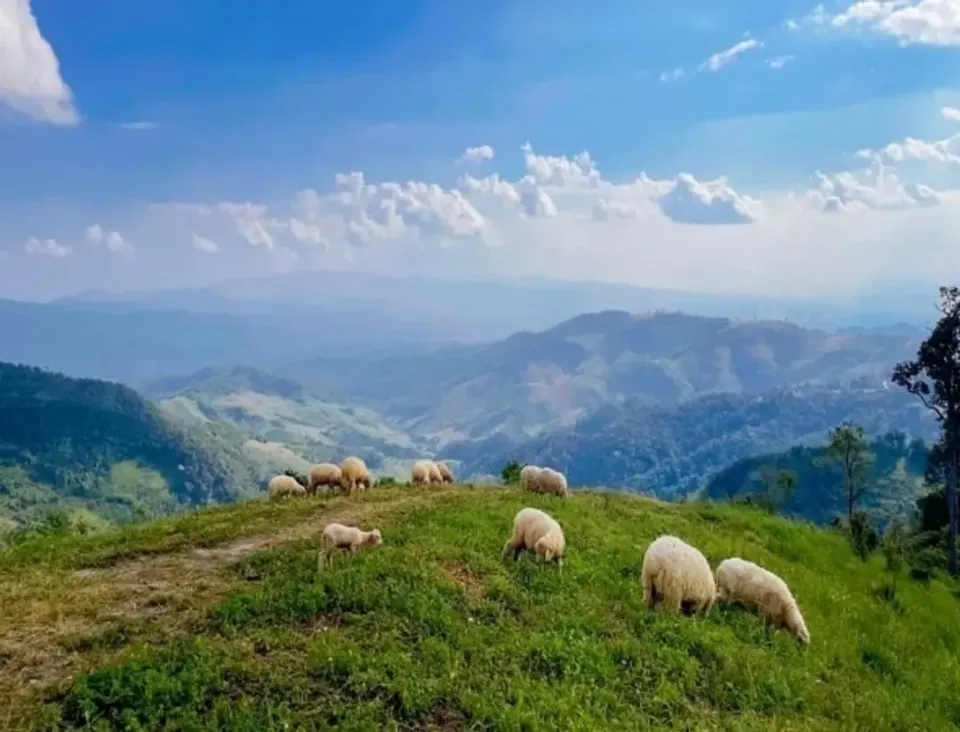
(675, 575)
(352, 474)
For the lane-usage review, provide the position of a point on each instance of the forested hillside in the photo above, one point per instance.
(895, 478)
(671, 452)
(87, 445)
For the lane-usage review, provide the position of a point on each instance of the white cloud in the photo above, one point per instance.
(673, 74)
(113, 241)
(925, 22)
(476, 154)
(203, 244)
(778, 62)
(718, 60)
(30, 80)
(141, 125)
(46, 248)
(950, 113)
(561, 216)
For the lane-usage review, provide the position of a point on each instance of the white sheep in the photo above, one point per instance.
(762, 592)
(349, 538)
(354, 474)
(445, 473)
(528, 477)
(323, 474)
(435, 475)
(678, 575)
(420, 472)
(552, 482)
(281, 486)
(538, 532)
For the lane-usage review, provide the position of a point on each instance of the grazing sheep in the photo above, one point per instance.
(365, 482)
(679, 575)
(349, 538)
(761, 591)
(445, 473)
(435, 475)
(529, 477)
(420, 472)
(281, 486)
(353, 473)
(552, 482)
(323, 474)
(538, 532)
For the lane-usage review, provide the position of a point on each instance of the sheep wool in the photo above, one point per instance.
(553, 482)
(349, 538)
(763, 592)
(529, 476)
(323, 474)
(281, 486)
(353, 474)
(536, 531)
(435, 475)
(420, 473)
(677, 575)
(445, 473)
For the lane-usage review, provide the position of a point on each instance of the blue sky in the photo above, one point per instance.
(253, 101)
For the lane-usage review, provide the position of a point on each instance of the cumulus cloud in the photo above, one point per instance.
(950, 113)
(30, 80)
(203, 244)
(723, 58)
(561, 216)
(113, 241)
(477, 154)
(46, 248)
(924, 22)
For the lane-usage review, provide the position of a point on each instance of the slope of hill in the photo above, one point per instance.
(85, 444)
(220, 620)
(671, 451)
(281, 411)
(533, 382)
(896, 473)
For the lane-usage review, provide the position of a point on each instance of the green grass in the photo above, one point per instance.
(433, 630)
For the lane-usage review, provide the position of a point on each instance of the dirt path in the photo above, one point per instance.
(54, 623)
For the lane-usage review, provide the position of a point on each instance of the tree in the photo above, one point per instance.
(934, 377)
(511, 472)
(776, 487)
(849, 450)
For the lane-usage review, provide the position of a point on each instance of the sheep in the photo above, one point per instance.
(435, 475)
(552, 482)
(350, 538)
(445, 473)
(420, 472)
(538, 532)
(364, 482)
(529, 476)
(679, 575)
(353, 473)
(281, 486)
(323, 474)
(763, 592)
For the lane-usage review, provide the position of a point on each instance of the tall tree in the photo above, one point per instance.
(934, 377)
(850, 451)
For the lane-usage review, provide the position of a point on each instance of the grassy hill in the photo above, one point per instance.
(281, 412)
(534, 382)
(220, 620)
(672, 451)
(82, 445)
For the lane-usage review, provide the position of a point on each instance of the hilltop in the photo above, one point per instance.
(531, 383)
(219, 619)
(100, 450)
(284, 417)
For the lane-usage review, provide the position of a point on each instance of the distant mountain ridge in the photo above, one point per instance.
(531, 383)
